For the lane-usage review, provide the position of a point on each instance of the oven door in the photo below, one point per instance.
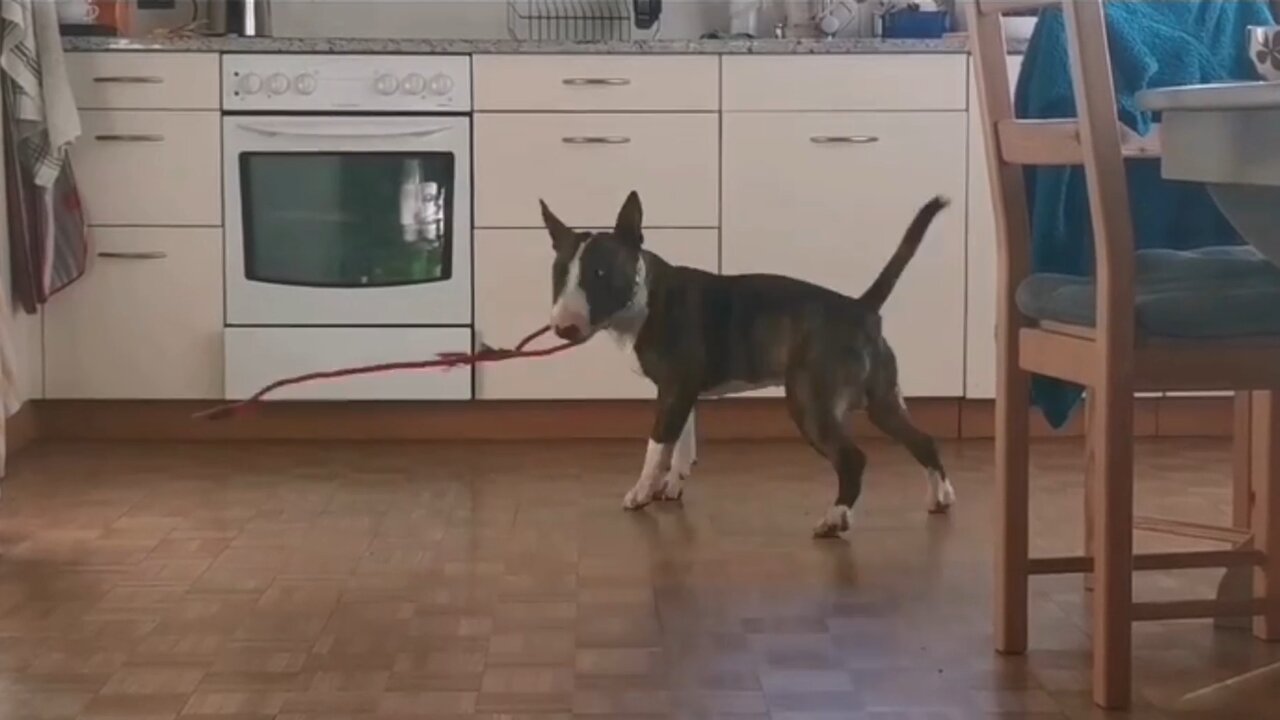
(347, 220)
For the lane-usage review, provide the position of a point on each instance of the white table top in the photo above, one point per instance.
(1227, 136)
(1219, 96)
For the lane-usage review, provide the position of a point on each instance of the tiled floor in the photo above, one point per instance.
(504, 581)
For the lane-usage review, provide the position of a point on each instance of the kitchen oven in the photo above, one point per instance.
(348, 219)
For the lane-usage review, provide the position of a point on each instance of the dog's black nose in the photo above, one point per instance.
(572, 333)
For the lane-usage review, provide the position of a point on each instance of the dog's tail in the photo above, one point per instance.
(878, 293)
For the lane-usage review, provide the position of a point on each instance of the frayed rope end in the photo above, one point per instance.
(224, 412)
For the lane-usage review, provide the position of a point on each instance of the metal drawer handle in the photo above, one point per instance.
(143, 255)
(131, 79)
(844, 139)
(596, 81)
(127, 137)
(596, 140)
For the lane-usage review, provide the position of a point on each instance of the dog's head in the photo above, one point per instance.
(596, 276)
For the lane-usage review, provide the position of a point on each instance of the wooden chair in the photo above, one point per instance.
(1113, 363)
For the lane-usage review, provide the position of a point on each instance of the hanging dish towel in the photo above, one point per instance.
(48, 243)
(1153, 44)
(47, 230)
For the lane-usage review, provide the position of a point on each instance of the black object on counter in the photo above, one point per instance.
(721, 35)
(646, 12)
(87, 30)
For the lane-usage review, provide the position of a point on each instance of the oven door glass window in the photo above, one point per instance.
(347, 219)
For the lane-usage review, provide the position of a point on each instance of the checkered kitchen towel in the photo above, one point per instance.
(47, 229)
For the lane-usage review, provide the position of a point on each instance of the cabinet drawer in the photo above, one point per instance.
(584, 166)
(145, 322)
(144, 81)
(851, 82)
(833, 212)
(596, 82)
(150, 168)
(513, 296)
(256, 356)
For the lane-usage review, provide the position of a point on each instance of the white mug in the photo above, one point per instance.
(1264, 51)
(77, 12)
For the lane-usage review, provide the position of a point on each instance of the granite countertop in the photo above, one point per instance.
(953, 44)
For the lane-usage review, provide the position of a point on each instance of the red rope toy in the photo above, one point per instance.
(443, 360)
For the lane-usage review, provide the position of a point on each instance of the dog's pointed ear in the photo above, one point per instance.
(630, 222)
(561, 235)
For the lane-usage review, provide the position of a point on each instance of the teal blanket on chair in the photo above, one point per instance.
(1154, 43)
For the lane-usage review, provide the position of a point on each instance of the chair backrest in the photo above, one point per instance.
(1094, 139)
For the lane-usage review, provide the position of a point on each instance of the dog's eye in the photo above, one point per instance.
(600, 272)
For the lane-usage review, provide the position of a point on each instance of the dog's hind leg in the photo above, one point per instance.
(683, 460)
(820, 415)
(888, 412)
(674, 407)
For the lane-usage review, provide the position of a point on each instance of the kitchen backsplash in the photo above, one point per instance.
(488, 18)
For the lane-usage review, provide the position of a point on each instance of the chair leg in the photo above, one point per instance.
(1090, 475)
(1013, 417)
(1265, 468)
(1237, 582)
(1113, 545)
(1241, 460)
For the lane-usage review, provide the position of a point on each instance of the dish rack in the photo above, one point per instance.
(572, 20)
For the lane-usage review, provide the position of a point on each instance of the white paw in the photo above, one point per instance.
(638, 496)
(942, 495)
(673, 487)
(839, 519)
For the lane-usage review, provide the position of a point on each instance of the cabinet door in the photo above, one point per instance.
(145, 322)
(826, 197)
(513, 297)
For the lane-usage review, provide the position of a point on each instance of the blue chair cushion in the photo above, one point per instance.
(1213, 292)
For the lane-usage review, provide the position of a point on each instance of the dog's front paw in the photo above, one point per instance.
(672, 487)
(637, 497)
(942, 494)
(838, 520)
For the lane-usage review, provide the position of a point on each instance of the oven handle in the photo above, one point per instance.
(351, 131)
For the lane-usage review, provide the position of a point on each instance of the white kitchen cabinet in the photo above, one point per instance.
(584, 165)
(145, 322)
(513, 298)
(150, 167)
(826, 197)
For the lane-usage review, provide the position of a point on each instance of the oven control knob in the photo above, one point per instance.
(305, 84)
(413, 84)
(440, 84)
(250, 84)
(278, 84)
(386, 84)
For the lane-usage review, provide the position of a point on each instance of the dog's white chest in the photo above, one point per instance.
(625, 337)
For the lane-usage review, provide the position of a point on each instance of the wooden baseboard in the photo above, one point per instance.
(737, 419)
(1184, 417)
(21, 430)
(728, 419)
